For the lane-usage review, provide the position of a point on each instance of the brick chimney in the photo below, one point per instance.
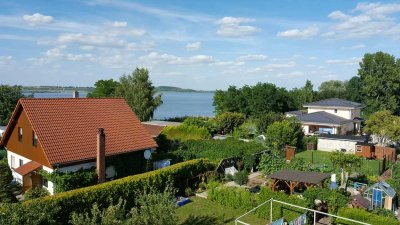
(101, 156)
(75, 94)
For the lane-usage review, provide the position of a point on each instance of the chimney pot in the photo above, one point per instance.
(101, 156)
(75, 94)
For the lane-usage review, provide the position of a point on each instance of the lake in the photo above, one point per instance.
(175, 104)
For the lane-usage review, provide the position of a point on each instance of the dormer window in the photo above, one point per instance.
(34, 139)
(335, 110)
(20, 134)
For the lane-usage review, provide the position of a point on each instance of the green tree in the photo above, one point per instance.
(139, 93)
(346, 163)
(353, 89)
(104, 88)
(285, 132)
(271, 162)
(380, 75)
(228, 121)
(264, 121)
(308, 92)
(6, 190)
(332, 89)
(384, 126)
(9, 96)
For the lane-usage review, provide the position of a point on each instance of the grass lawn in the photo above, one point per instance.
(205, 212)
(369, 167)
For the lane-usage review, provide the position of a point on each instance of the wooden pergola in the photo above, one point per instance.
(293, 178)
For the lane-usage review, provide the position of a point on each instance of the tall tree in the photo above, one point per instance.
(380, 75)
(6, 192)
(353, 89)
(104, 88)
(346, 163)
(308, 92)
(286, 132)
(384, 127)
(332, 89)
(9, 96)
(139, 93)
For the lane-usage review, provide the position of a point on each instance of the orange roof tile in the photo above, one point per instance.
(154, 130)
(67, 127)
(28, 167)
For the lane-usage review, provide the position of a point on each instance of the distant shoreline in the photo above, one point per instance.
(58, 89)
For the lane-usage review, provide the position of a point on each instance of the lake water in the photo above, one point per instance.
(175, 104)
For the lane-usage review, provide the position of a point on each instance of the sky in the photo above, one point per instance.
(204, 45)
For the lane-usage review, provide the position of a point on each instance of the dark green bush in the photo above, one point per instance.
(6, 186)
(35, 192)
(363, 216)
(228, 121)
(178, 176)
(241, 177)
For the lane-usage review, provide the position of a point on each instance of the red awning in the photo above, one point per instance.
(28, 167)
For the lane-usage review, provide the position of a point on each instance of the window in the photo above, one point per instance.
(21, 162)
(12, 159)
(45, 183)
(20, 134)
(34, 139)
(335, 110)
(359, 148)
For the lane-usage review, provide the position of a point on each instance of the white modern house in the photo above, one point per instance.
(330, 116)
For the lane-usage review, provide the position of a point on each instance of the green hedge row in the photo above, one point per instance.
(186, 132)
(239, 198)
(178, 175)
(363, 216)
(216, 150)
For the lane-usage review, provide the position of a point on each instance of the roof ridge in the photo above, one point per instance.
(70, 98)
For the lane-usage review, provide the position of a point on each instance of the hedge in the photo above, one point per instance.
(126, 188)
(363, 216)
(186, 132)
(240, 198)
(216, 150)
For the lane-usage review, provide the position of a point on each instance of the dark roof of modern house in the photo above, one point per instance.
(323, 117)
(67, 127)
(295, 113)
(334, 103)
(299, 176)
(385, 187)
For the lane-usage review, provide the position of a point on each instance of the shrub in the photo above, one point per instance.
(241, 177)
(35, 192)
(228, 121)
(82, 199)
(6, 192)
(363, 216)
(267, 119)
(65, 181)
(384, 212)
(188, 192)
(285, 132)
(334, 198)
(271, 162)
(186, 132)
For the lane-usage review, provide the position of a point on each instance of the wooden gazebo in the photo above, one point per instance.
(294, 178)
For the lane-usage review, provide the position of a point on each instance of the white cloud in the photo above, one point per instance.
(366, 20)
(93, 40)
(272, 67)
(307, 33)
(346, 62)
(6, 60)
(37, 19)
(312, 58)
(193, 46)
(358, 46)
(119, 24)
(232, 27)
(156, 58)
(252, 57)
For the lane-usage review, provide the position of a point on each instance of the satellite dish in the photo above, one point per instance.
(147, 154)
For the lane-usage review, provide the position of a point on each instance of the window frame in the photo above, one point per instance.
(12, 162)
(21, 162)
(34, 139)
(20, 134)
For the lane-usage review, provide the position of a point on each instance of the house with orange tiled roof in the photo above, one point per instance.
(67, 134)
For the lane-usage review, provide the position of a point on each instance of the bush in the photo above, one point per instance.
(126, 188)
(228, 121)
(285, 132)
(188, 192)
(186, 132)
(363, 216)
(217, 150)
(241, 177)
(6, 189)
(271, 162)
(333, 198)
(35, 192)
(384, 212)
(267, 119)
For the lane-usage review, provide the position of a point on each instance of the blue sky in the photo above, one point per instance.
(193, 44)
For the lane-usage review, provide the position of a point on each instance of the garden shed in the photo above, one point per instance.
(381, 195)
(296, 179)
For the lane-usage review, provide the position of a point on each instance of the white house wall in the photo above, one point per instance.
(345, 113)
(17, 176)
(331, 145)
